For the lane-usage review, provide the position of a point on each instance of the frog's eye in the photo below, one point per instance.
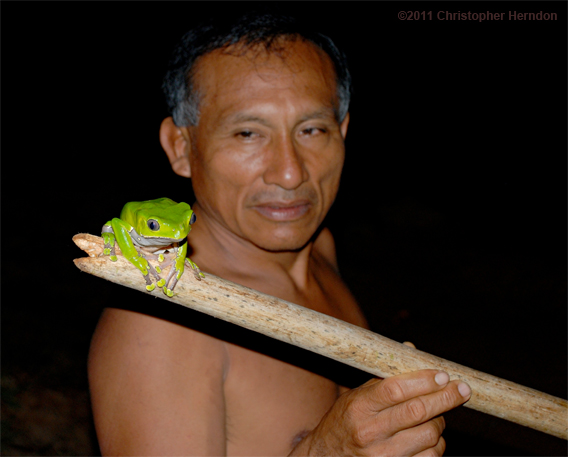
(153, 225)
(192, 220)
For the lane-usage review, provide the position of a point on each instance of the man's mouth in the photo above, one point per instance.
(284, 212)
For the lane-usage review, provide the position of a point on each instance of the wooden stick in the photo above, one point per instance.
(334, 338)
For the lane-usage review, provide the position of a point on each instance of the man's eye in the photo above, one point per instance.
(247, 134)
(311, 131)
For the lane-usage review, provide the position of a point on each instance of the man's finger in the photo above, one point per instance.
(437, 450)
(399, 389)
(419, 410)
(420, 438)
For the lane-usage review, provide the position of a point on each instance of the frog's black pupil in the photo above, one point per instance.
(153, 225)
(193, 218)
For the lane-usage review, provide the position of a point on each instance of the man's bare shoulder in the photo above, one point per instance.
(151, 343)
(324, 245)
(326, 269)
(136, 331)
(139, 365)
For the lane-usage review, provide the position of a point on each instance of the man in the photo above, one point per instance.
(260, 119)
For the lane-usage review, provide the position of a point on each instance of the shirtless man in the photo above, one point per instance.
(264, 151)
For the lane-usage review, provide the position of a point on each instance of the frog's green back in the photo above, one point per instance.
(173, 217)
(160, 206)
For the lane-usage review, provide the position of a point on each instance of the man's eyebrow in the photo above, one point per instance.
(323, 113)
(244, 117)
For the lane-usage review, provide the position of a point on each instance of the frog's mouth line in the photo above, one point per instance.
(152, 241)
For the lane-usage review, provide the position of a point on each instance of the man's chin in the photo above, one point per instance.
(282, 247)
(280, 236)
(284, 244)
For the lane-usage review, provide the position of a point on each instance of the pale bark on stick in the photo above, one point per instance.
(333, 338)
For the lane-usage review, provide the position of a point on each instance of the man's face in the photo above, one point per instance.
(267, 153)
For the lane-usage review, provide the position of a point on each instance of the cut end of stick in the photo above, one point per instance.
(88, 243)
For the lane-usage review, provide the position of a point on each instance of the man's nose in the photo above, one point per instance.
(286, 167)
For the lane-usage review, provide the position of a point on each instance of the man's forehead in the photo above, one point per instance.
(295, 77)
(226, 66)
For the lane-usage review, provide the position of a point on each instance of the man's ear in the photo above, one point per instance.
(176, 143)
(343, 126)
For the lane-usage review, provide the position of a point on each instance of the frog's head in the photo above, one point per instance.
(164, 225)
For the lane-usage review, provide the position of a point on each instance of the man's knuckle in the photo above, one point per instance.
(435, 451)
(392, 391)
(417, 410)
(351, 415)
(363, 436)
(359, 439)
(448, 397)
(357, 407)
(431, 435)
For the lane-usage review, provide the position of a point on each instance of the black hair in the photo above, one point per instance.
(250, 29)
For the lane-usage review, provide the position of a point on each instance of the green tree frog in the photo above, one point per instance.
(146, 230)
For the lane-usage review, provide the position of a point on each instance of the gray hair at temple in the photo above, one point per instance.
(250, 29)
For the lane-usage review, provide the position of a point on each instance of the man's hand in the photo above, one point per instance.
(398, 416)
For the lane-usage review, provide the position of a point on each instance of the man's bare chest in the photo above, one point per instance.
(270, 403)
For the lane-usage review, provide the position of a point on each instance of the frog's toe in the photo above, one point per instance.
(161, 282)
(197, 273)
(158, 269)
(110, 252)
(161, 258)
(169, 288)
(149, 285)
(168, 292)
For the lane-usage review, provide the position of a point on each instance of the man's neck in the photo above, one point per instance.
(224, 253)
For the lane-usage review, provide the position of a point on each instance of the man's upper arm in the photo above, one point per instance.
(156, 387)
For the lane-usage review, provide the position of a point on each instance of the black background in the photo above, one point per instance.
(450, 222)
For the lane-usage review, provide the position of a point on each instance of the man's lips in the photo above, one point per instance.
(280, 211)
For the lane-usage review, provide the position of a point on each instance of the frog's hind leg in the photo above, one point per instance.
(150, 270)
(172, 276)
(159, 280)
(149, 286)
(154, 271)
(164, 261)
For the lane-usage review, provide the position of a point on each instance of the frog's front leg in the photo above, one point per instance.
(196, 271)
(108, 237)
(122, 234)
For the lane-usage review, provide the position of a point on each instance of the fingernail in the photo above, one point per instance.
(464, 389)
(442, 378)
